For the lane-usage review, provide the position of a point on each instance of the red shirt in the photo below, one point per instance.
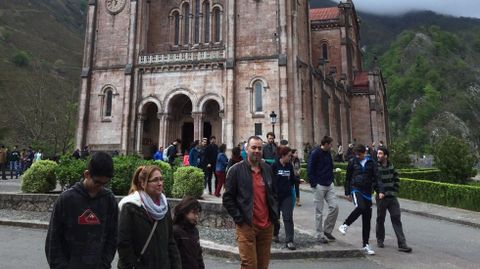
(260, 206)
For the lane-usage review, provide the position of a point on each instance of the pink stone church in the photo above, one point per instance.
(157, 70)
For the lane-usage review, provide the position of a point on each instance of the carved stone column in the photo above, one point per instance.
(140, 120)
(162, 117)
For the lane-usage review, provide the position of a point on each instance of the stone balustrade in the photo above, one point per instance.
(182, 57)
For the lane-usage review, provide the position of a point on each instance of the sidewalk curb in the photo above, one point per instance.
(225, 251)
(415, 212)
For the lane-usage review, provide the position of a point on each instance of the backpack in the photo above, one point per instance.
(165, 153)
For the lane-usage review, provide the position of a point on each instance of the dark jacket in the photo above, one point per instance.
(364, 179)
(171, 153)
(270, 151)
(285, 179)
(134, 228)
(389, 178)
(238, 196)
(320, 168)
(194, 157)
(83, 230)
(211, 153)
(188, 243)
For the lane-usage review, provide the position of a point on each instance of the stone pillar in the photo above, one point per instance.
(84, 102)
(222, 124)
(162, 117)
(229, 122)
(140, 120)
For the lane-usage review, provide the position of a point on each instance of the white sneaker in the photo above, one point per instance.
(368, 250)
(343, 229)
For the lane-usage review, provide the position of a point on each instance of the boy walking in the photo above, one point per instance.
(83, 227)
(362, 179)
(389, 178)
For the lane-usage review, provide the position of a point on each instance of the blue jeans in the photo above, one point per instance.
(14, 166)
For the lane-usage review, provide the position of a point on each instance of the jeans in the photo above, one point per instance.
(325, 194)
(391, 204)
(285, 206)
(208, 179)
(14, 167)
(254, 246)
(220, 176)
(363, 207)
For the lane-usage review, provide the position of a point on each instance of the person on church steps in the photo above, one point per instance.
(361, 179)
(284, 182)
(146, 238)
(83, 227)
(220, 169)
(390, 181)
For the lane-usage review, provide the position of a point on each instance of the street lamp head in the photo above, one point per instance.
(273, 117)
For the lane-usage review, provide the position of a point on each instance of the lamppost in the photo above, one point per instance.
(273, 120)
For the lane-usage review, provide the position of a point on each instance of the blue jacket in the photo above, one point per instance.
(222, 162)
(158, 156)
(320, 168)
(193, 157)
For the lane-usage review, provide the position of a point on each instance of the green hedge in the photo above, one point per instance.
(432, 175)
(453, 195)
(188, 181)
(40, 177)
(338, 176)
(342, 166)
(69, 171)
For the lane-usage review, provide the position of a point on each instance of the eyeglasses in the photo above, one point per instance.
(98, 182)
(155, 180)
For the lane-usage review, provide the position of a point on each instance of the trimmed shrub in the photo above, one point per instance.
(124, 167)
(453, 195)
(69, 171)
(342, 166)
(188, 181)
(339, 177)
(40, 177)
(432, 175)
(455, 159)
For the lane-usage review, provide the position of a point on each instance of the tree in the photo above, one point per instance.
(455, 159)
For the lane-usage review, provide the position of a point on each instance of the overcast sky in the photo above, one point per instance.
(465, 8)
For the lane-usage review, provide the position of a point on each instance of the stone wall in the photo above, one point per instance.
(213, 214)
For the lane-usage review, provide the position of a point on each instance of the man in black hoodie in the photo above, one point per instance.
(83, 227)
(362, 178)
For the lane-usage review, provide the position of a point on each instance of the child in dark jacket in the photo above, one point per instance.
(186, 233)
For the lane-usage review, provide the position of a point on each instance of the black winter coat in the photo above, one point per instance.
(83, 230)
(188, 243)
(238, 196)
(365, 179)
(134, 228)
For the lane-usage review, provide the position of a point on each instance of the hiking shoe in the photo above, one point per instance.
(291, 246)
(276, 239)
(405, 249)
(367, 250)
(380, 244)
(329, 236)
(323, 240)
(343, 229)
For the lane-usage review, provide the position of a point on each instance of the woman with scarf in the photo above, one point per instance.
(145, 214)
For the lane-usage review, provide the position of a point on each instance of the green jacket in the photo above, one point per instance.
(134, 228)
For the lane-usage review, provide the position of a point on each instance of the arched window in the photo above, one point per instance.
(258, 87)
(218, 24)
(176, 25)
(186, 22)
(197, 21)
(206, 20)
(108, 103)
(325, 51)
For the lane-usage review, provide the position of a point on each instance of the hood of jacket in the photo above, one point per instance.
(80, 188)
(133, 198)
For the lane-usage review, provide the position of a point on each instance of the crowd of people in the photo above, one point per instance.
(260, 183)
(17, 161)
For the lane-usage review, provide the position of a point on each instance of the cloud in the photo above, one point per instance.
(458, 8)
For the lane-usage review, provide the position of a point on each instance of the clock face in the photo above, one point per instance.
(115, 6)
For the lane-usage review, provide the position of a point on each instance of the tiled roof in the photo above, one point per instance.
(322, 14)
(360, 83)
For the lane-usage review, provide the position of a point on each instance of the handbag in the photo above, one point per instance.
(139, 260)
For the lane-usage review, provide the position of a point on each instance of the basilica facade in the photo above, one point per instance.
(159, 70)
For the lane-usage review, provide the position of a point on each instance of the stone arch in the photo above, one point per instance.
(149, 99)
(171, 95)
(208, 97)
(261, 79)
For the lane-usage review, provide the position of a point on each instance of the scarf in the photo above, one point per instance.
(157, 212)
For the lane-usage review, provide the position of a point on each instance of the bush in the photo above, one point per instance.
(432, 175)
(188, 181)
(400, 155)
(21, 59)
(453, 195)
(304, 174)
(124, 167)
(454, 158)
(339, 177)
(342, 166)
(40, 177)
(69, 171)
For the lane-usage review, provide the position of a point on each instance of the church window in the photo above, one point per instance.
(258, 87)
(206, 19)
(176, 22)
(218, 24)
(325, 51)
(108, 105)
(186, 21)
(107, 95)
(197, 21)
(258, 129)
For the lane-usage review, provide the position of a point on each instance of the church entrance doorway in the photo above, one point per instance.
(212, 122)
(180, 123)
